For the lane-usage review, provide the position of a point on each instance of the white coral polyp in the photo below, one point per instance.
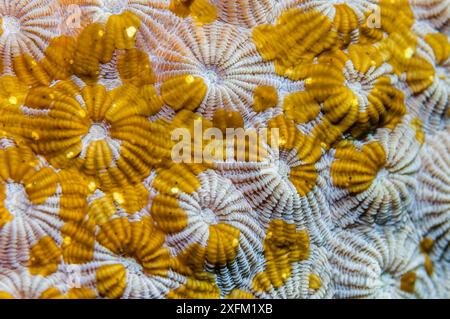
(267, 187)
(217, 201)
(431, 105)
(224, 56)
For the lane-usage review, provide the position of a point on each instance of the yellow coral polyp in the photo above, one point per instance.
(345, 21)
(111, 281)
(196, 289)
(408, 282)
(58, 59)
(345, 101)
(314, 282)
(73, 293)
(239, 294)
(354, 169)
(134, 68)
(78, 246)
(121, 30)
(301, 107)
(184, 92)
(80, 293)
(395, 37)
(419, 74)
(12, 92)
(168, 214)
(440, 45)
(224, 119)
(203, 11)
(39, 184)
(222, 244)
(283, 246)
(96, 134)
(30, 72)
(180, 7)
(386, 106)
(182, 177)
(73, 201)
(131, 198)
(426, 245)
(90, 50)
(264, 97)
(139, 240)
(304, 175)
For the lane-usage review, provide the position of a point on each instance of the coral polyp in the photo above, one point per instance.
(26, 28)
(238, 149)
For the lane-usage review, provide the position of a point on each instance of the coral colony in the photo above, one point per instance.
(322, 130)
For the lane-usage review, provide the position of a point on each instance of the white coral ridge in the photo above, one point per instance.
(27, 27)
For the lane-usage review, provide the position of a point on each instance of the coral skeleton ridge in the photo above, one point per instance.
(348, 195)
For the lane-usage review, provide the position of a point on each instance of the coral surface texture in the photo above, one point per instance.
(238, 149)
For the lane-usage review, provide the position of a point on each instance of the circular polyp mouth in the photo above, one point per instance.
(10, 25)
(211, 76)
(98, 131)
